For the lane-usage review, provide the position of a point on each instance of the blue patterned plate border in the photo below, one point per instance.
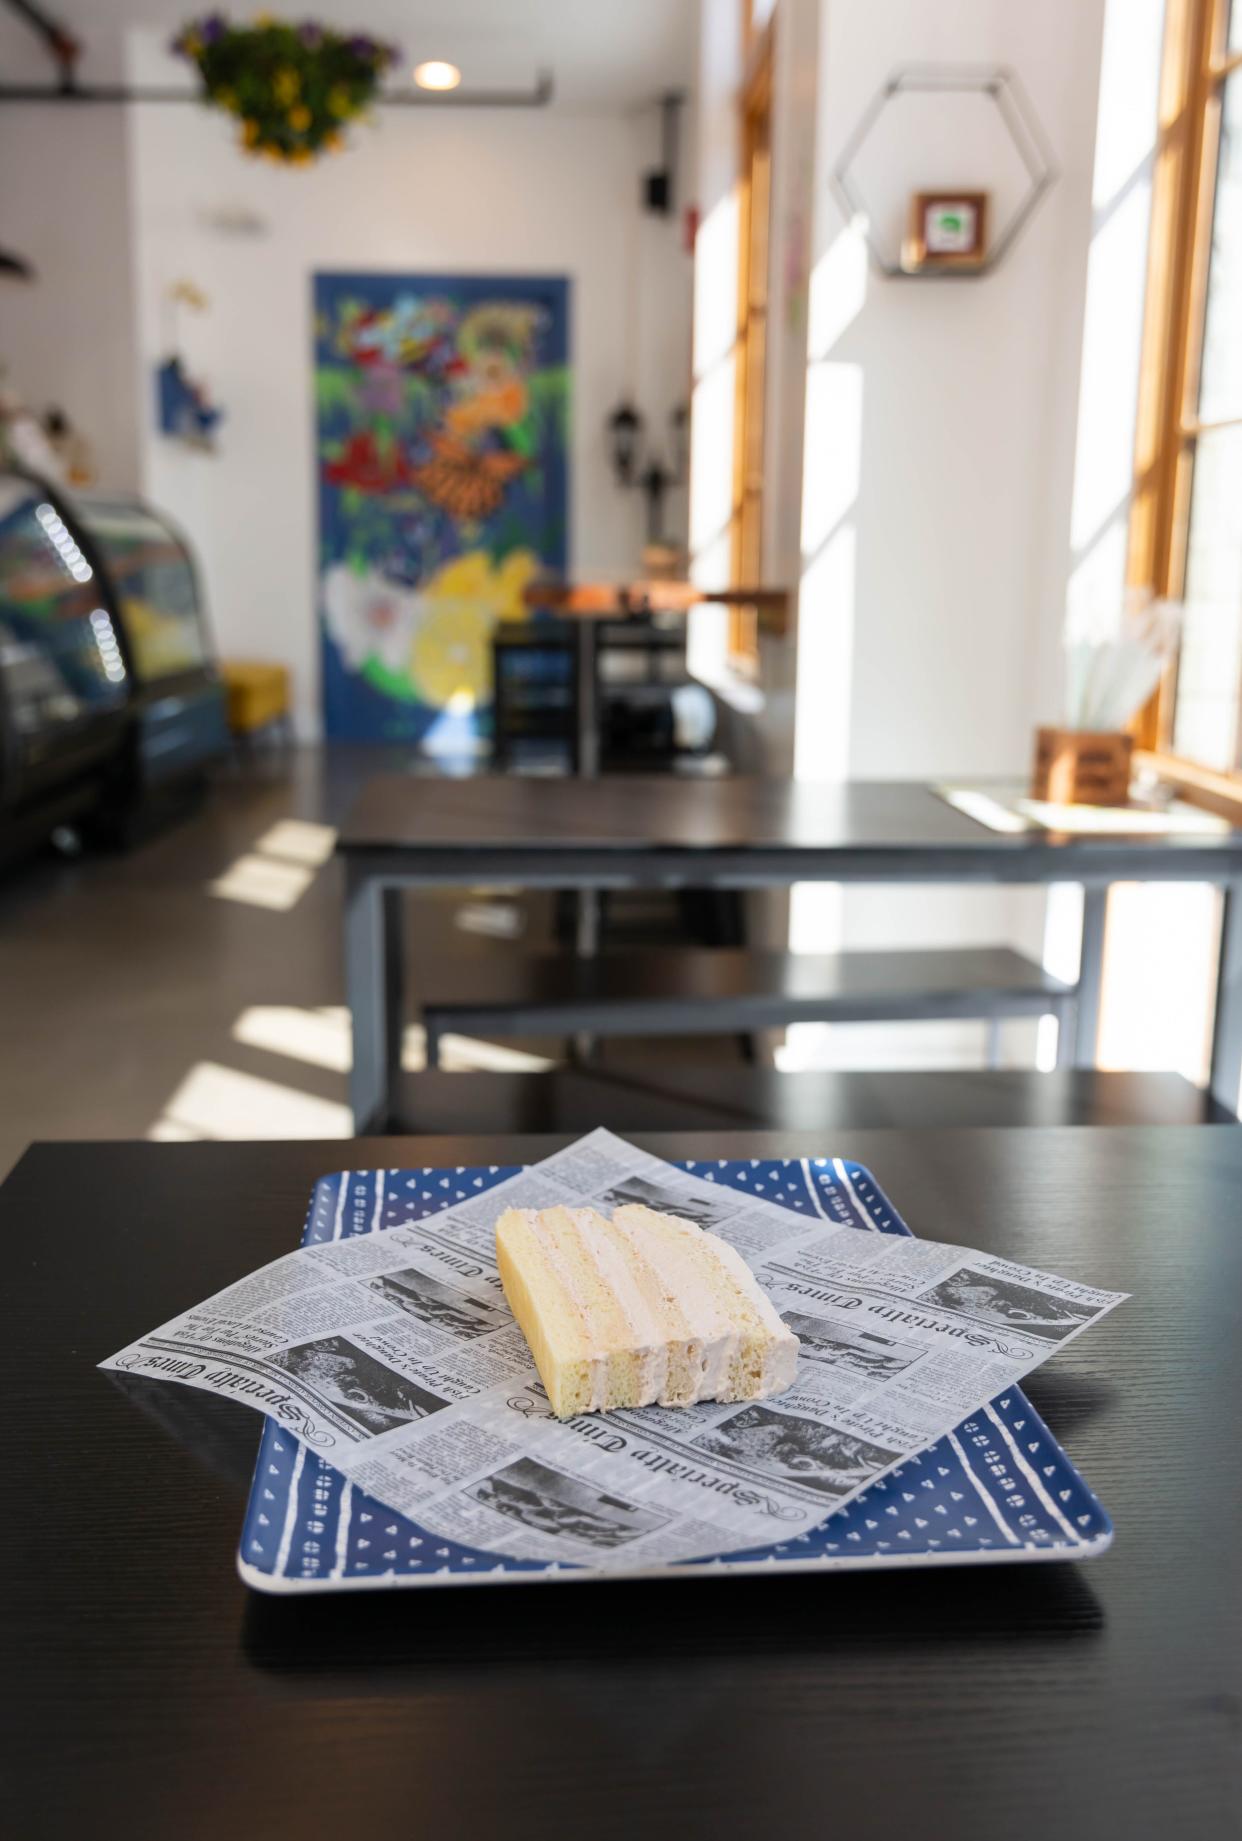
(998, 1488)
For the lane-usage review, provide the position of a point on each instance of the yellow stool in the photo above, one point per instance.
(258, 696)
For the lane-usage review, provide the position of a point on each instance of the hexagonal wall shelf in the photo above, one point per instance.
(1000, 129)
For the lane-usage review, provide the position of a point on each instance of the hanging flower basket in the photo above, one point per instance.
(293, 88)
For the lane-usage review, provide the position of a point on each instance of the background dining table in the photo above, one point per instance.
(659, 831)
(147, 1694)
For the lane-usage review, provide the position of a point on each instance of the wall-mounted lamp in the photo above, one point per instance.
(636, 464)
(624, 427)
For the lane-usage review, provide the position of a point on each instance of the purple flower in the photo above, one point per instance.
(213, 28)
(362, 46)
(311, 34)
(382, 390)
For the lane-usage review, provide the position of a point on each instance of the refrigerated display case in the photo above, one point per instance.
(64, 681)
(110, 704)
(178, 723)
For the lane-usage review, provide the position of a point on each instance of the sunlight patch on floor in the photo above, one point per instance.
(219, 1102)
(468, 1054)
(262, 882)
(297, 840)
(318, 1037)
(280, 868)
(321, 1038)
(495, 920)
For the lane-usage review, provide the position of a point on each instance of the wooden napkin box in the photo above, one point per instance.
(1082, 766)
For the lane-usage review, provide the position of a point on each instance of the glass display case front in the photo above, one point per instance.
(111, 709)
(62, 668)
(154, 585)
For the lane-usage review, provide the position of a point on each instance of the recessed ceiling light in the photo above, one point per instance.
(437, 75)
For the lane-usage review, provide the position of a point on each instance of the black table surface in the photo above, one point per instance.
(147, 1695)
(485, 813)
(702, 1096)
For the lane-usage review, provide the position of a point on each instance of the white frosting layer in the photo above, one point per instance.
(681, 1275)
(673, 1294)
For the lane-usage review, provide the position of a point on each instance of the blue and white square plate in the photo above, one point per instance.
(998, 1488)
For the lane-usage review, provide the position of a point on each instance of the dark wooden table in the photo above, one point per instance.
(148, 1697)
(701, 1096)
(656, 831)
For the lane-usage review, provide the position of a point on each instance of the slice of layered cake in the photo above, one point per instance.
(638, 1309)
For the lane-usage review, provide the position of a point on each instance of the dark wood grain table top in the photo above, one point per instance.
(146, 1695)
(476, 815)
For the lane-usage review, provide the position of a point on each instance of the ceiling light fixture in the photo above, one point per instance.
(436, 74)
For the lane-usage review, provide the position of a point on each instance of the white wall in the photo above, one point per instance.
(938, 470)
(68, 339)
(967, 405)
(474, 192)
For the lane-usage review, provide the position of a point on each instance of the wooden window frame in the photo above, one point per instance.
(1194, 70)
(753, 35)
(750, 377)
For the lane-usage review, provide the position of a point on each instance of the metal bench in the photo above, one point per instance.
(694, 991)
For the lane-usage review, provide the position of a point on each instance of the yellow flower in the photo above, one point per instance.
(227, 99)
(333, 143)
(451, 657)
(191, 44)
(285, 86)
(339, 101)
(262, 20)
(250, 133)
(300, 156)
(300, 118)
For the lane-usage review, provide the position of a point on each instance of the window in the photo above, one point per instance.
(1186, 529)
(755, 202)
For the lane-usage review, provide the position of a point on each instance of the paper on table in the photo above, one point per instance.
(395, 1355)
(1013, 810)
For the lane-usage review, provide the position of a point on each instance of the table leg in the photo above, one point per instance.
(1227, 1023)
(1090, 975)
(586, 767)
(374, 988)
(586, 700)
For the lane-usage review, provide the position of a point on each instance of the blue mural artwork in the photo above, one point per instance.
(442, 426)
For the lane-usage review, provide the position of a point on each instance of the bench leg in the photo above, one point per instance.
(1066, 1015)
(992, 1052)
(1090, 976)
(1227, 1023)
(374, 988)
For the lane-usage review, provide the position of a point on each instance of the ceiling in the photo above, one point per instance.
(603, 53)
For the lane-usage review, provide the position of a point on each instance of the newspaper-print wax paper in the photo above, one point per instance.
(396, 1357)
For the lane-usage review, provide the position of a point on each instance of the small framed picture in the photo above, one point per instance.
(947, 230)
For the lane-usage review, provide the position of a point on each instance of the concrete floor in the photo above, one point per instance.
(135, 1001)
